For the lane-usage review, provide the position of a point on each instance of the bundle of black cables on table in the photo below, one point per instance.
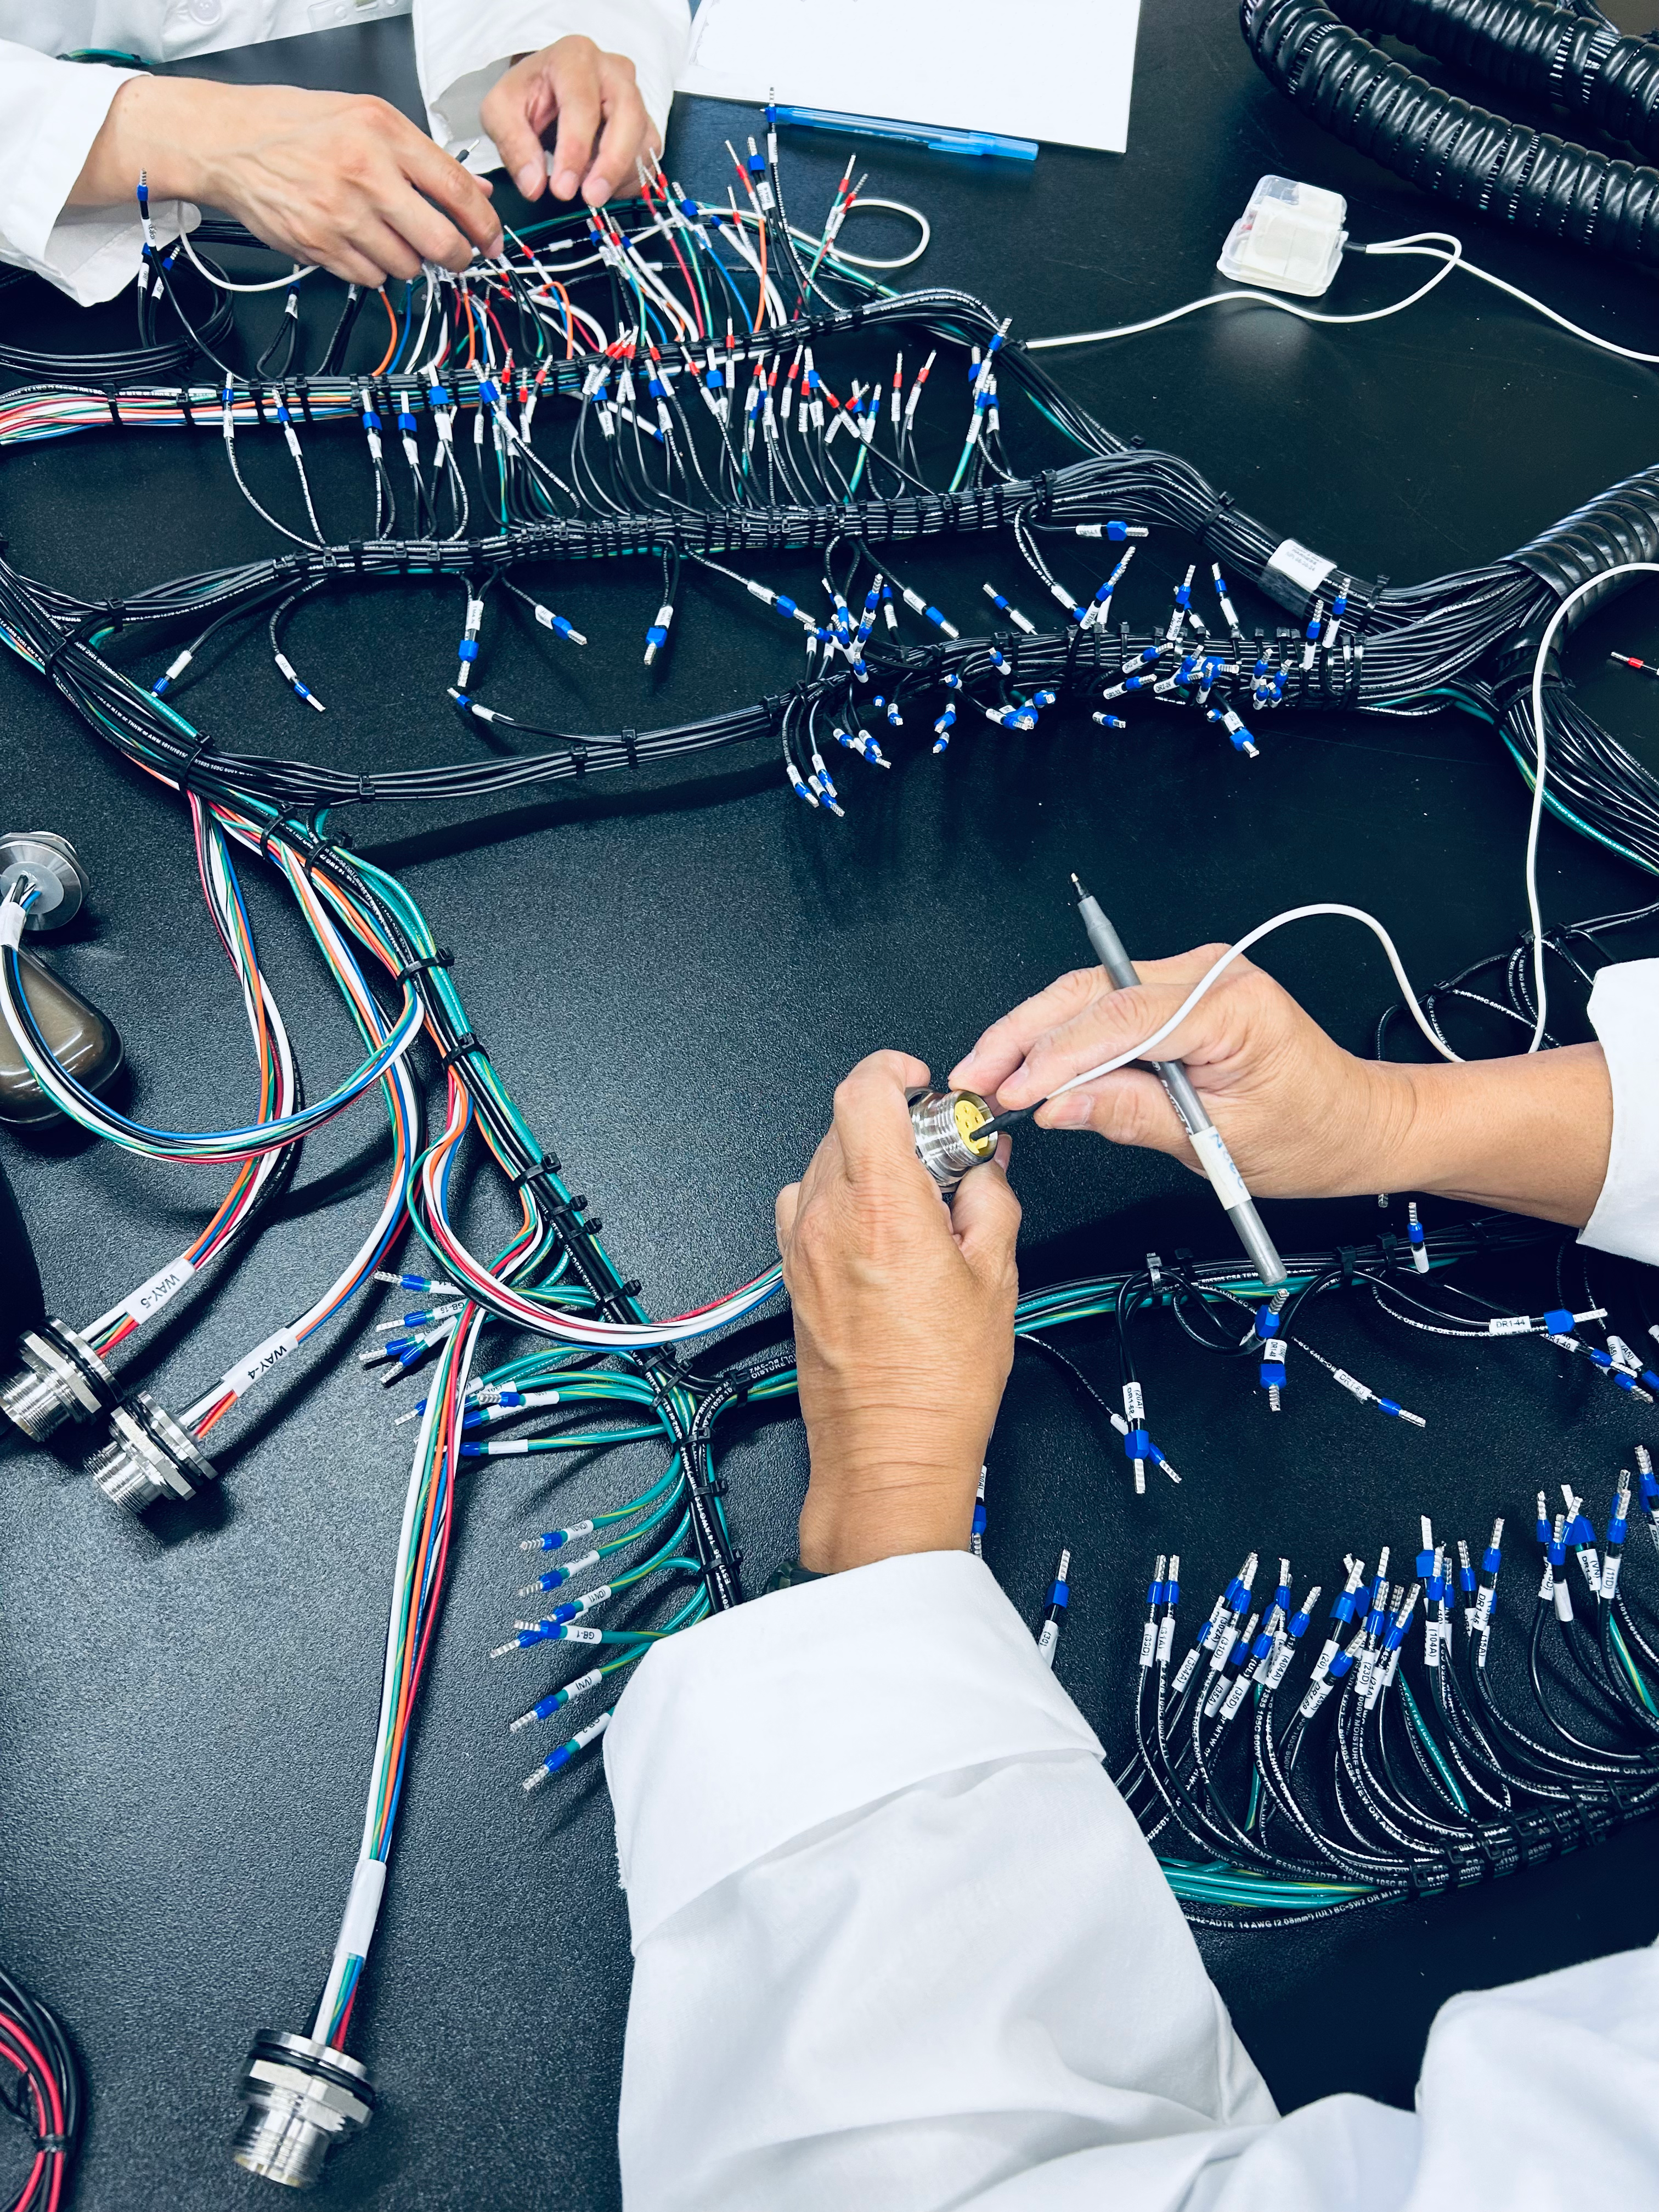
(1570, 60)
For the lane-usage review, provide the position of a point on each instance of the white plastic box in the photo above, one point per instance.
(1289, 238)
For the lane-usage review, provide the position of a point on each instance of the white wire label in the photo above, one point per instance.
(1293, 573)
(1217, 1163)
(150, 1297)
(240, 1379)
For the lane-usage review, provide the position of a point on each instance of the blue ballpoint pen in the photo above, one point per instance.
(935, 138)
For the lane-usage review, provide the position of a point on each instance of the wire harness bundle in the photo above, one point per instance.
(1409, 1761)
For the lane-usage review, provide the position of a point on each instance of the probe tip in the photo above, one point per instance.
(1079, 887)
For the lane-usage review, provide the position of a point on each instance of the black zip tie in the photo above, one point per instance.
(114, 411)
(460, 1048)
(441, 959)
(355, 549)
(185, 408)
(579, 755)
(547, 1165)
(631, 745)
(1348, 1258)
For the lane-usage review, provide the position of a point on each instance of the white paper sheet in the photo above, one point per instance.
(1058, 69)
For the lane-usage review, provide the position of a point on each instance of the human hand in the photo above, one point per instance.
(604, 128)
(1301, 1117)
(334, 178)
(904, 1327)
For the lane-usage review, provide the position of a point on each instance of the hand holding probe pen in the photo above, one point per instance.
(1213, 1157)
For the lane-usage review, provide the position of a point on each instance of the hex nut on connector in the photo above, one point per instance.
(148, 1456)
(944, 1124)
(61, 1378)
(299, 2098)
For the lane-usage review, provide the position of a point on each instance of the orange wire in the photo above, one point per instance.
(392, 316)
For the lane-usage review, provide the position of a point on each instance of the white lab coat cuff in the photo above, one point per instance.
(462, 52)
(1624, 1011)
(747, 1731)
(49, 113)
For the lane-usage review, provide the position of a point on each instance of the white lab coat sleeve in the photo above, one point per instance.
(896, 1936)
(49, 113)
(899, 1946)
(462, 46)
(1623, 1011)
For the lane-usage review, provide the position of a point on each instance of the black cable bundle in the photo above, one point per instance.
(1528, 179)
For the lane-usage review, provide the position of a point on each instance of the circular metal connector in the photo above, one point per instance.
(148, 1456)
(946, 1124)
(61, 1378)
(299, 2098)
(53, 866)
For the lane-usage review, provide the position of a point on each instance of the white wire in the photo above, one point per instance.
(1420, 243)
(295, 276)
(1448, 261)
(1603, 345)
(893, 207)
(1212, 976)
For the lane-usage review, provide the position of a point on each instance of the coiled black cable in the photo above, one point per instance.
(1446, 146)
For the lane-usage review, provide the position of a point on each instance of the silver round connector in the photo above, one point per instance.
(944, 1124)
(59, 1378)
(148, 1457)
(299, 2098)
(53, 866)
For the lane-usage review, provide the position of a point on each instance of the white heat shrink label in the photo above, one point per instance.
(1148, 1643)
(1166, 1638)
(362, 1909)
(1314, 1698)
(1047, 1641)
(1431, 1643)
(1279, 1666)
(1610, 1577)
(1134, 1405)
(1225, 1643)
(573, 1632)
(1184, 1672)
(165, 1283)
(240, 1379)
(1293, 573)
(1510, 1325)
(1217, 1163)
(1563, 1602)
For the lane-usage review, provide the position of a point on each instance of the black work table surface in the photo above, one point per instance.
(671, 978)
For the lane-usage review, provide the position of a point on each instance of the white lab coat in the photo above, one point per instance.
(51, 111)
(899, 1945)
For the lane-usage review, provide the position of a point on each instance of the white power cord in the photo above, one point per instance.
(1422, 243)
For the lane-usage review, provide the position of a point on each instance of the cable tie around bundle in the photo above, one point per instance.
(631, 746)
(441, 959)
(548, 1164)
(467, 1043)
